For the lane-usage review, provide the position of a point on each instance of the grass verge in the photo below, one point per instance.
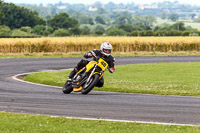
(154, 78)
(80, 54)
(17, 123)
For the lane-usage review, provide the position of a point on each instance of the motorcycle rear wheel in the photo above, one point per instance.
(87, 87)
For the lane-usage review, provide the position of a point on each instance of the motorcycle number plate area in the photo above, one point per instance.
(102, 64)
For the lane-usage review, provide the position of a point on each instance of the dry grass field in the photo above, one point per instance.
(82, 44)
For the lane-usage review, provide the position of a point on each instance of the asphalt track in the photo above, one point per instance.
(21, 97)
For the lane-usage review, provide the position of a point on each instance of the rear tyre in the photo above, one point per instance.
(67, 88)
(87, 87)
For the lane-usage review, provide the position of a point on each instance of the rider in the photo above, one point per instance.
(104, 53)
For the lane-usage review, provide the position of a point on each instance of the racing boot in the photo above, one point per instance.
(71, 75)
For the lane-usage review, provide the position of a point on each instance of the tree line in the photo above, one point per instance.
(19, 21)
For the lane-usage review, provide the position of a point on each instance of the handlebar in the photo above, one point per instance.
(94, 55)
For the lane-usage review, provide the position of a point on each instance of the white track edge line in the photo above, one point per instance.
(15, 78)
(129, 121)
(114, 120)
(110, 120)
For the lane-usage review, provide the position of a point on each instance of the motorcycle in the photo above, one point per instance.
(88, 77)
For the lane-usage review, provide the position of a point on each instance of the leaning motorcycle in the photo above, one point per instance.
(87, 78)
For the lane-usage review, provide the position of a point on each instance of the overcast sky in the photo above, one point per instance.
(192, 2)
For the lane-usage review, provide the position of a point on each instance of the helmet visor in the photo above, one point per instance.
(107, 51)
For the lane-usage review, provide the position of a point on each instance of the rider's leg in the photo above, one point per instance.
(74, 71)
(79, 66)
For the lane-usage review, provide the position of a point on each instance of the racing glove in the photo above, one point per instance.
(111, 70)
(88, 55)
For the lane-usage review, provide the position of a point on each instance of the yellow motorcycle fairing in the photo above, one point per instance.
(90, 65)
(102, 64)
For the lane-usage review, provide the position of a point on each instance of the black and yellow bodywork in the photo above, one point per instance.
(92, 68)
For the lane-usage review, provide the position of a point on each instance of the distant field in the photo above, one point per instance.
(193, 25)
(187, 23)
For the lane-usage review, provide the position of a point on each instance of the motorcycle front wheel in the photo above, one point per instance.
(67, 88)
(88, 86)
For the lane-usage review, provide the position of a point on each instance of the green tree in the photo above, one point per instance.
(5, 31)
(26, 29)
(91, 21)
(173, 17)
(115, 32)
(49, 30)
(85, 30)
(53, 10)
(75, 30)
(146, 20)
(42, 30)
(39, 29)
(120, 20)
(126, 27)
(174, 33)
(149, 20)
(180, 26)
(135, 33)
(148, 33)
(163, 27)
(99, 28)
(162, 33)
(99, 20)
(98, 32)
(1, 14)
(138, 20)
(16, 17)
(62, 20)
(84, 20)
(186, 33)
(18, 33)
(61, 32)
(101, 11)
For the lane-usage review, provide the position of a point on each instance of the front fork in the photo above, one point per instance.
(91, 73)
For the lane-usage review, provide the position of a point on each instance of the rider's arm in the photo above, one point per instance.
(111, 65)
(89, 54)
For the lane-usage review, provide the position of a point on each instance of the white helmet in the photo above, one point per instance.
(106, 48)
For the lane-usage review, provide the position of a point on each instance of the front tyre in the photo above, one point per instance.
(67, 88)
(88, 86)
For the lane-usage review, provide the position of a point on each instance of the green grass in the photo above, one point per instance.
(155, 78)
(17, 123)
